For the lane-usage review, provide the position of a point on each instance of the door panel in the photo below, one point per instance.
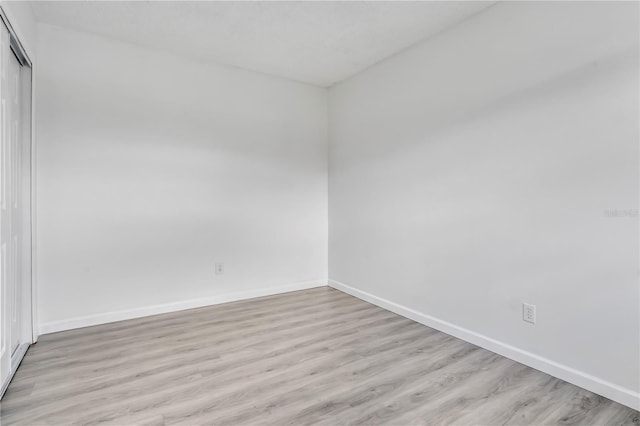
(5, 219)
(15, 211)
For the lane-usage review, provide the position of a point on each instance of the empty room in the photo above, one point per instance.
(319, 213)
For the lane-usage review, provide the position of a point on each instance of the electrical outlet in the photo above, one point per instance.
(529, 313)
(219, 268)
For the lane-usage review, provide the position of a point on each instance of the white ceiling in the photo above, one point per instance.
(319, 43)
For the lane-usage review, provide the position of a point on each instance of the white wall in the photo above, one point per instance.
(152, 167)
(476, 171)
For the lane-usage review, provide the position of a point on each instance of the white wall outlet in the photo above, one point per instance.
(529, 313)
(219, 268)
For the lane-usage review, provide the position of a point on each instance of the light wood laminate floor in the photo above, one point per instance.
(317, 356)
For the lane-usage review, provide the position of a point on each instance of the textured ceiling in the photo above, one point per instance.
(319, 43)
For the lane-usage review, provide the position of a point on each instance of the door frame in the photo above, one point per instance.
(15, 31)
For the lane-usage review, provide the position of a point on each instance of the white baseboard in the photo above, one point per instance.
(107, 317)
(594, 384)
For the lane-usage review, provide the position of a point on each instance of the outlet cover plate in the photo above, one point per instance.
(529, 313)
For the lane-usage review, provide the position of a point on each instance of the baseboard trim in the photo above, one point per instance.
(594, 384)
(107, 317)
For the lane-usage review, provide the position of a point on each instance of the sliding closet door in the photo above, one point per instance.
(6, 280)
(14, 198)
(15, 226)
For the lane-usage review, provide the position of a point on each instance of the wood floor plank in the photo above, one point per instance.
(316, 356)
(192, 334)
(223, 359)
